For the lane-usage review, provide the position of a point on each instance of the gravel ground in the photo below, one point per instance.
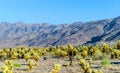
(45, 66)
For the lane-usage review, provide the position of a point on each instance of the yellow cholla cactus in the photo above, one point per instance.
(57, 66)
(95, 71)
(100, 71)
(56, 69)
(81, 62)
(4, 69)
(27, 56)
(90, 61)
(9, 63)
(31, 65)
(36, 56)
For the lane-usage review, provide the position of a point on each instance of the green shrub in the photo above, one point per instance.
(17, 65)
(105, 63)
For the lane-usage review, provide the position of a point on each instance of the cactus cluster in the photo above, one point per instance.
(32, 55)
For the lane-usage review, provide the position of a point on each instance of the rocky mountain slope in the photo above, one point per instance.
(45, 34)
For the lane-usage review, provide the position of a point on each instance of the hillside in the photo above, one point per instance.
(45, 34)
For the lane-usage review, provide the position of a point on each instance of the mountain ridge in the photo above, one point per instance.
(45, 34)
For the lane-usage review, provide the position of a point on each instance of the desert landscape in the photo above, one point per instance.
(59, 36)
(61, 59)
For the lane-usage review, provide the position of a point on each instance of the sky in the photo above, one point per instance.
(57, 11)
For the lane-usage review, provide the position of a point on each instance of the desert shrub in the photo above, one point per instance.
(97, 56)
(105, 63)
(16, 65)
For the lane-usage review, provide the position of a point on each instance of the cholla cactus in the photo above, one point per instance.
(60, 53)
(56, 69)
(105, 48)
(90, 61)
(14, 56)
(4, 69)
(71, 52)
(27, 56)
(8, 67)
(31, 65)
(9, 63)
(4, 56)
(115, 54)
(57, 66)
(82, 62)
(36, 56)
(85, 66)
(100, 71)
(95, 71)
(84, 54)
(42, 51)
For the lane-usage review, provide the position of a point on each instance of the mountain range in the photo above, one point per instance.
(45, 34)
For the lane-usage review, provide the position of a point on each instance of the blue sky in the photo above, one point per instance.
(57, 11)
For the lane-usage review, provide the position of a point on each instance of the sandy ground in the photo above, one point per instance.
(45, 66)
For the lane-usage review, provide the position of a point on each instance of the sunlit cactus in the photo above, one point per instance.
(14, 56)
(105, 48)
(56, 69)
(71, 52)
(60, 53)
(82, 62)
(85, 66)
(27, 56)
(57, 66)
(90, 61)
(36, 56)
(84, 54)
(100, 71)
(8, 67)
(9, 63)
(4, 69)
(3, 55)
(95, 71)
(31, 65)
(115, 54)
